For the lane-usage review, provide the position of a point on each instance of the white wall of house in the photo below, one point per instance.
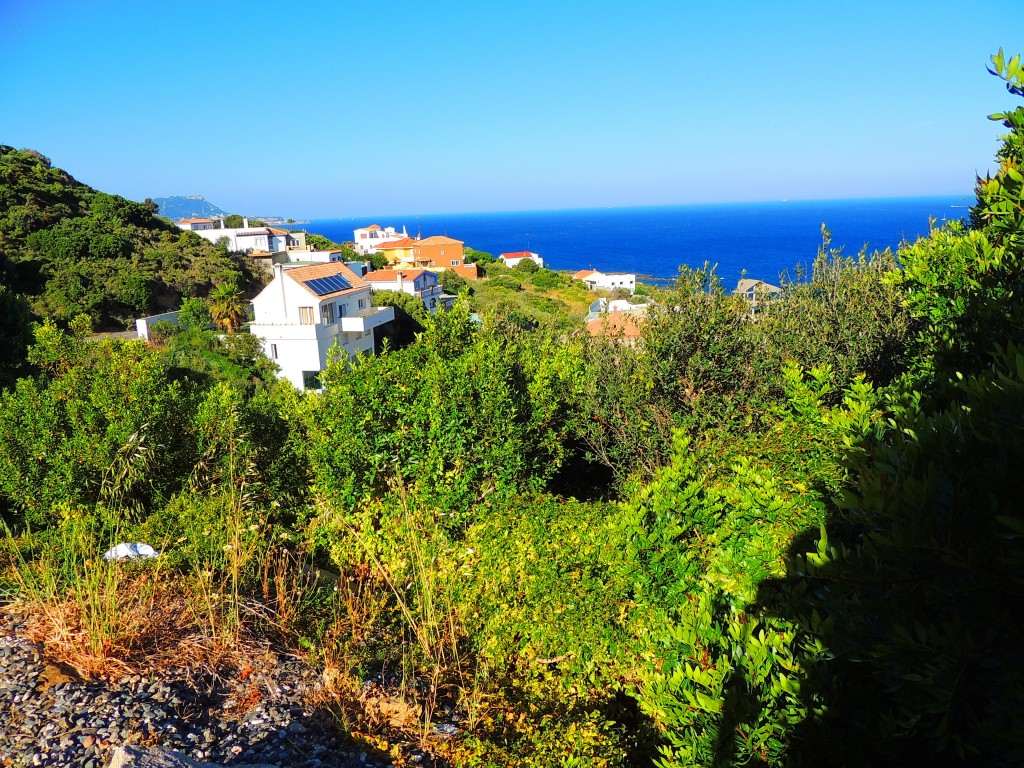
(424, 285)
(609, 281)
(368, 239)
(142, 325)
(245, 239)
(299, 330)
(196, 225)
(511, 260)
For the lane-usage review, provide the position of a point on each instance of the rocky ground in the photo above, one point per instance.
(50, 717)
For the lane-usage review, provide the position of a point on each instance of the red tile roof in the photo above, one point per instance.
(391, 275)
(405, 242)
(516, 255)
(618, 324)
(440, 240)
(583, 273)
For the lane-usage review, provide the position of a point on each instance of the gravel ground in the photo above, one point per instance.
(48, 717)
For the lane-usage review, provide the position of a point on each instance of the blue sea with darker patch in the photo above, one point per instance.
(765, 240)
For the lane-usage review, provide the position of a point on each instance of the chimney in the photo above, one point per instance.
(279, 274)
(245, 223)
(399, 282)
(222, 223)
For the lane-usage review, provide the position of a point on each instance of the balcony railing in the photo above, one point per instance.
(367, 319)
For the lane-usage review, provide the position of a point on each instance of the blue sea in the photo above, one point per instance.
(765, 240)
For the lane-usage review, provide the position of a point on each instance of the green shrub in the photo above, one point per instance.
(547, 279)
(506, 282)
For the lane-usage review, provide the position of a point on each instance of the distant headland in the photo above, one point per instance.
(178, 207)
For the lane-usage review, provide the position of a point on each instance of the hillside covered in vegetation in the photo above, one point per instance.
(72, 250)
(787, 538)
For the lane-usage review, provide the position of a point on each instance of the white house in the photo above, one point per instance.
(756, 291)
(246, 239)
(368, 239)
(306, 314)
(513, 258)
(196, 225)
(416, 282)
(607, 281)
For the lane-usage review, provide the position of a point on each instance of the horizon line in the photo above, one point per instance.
(783, 201)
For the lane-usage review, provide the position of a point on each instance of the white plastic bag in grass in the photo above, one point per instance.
(136, 551)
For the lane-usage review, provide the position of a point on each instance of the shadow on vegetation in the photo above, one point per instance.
(915, 588)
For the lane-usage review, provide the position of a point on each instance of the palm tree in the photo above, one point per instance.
(227, 306)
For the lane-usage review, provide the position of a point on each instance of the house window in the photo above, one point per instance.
(362, 235)
(342, 309)
(273, 351)
(455, 262)
(311, 380)
(327, 313)
(305, 315)
(362, 303)
(442, 253)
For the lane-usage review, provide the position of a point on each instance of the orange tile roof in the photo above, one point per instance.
(373, 226)
(391, 275)
(516, 255)
(405, 242)
(583, 273)
(440, 240)
(303, 274)
(618, 324)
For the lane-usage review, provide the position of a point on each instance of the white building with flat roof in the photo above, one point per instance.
(515, 257)
(607, 281)
(246, 239)
(368, 239)
(307, 314)
(196, 225)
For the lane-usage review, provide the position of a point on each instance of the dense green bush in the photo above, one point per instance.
(505, 281)
(547, 279)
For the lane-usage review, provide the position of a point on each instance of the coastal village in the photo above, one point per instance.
(319, 302)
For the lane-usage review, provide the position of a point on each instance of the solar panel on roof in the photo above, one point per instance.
(322, 286)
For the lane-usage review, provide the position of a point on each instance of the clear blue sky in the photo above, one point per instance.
(355, 108)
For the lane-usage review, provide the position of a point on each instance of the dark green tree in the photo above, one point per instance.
(15, 335)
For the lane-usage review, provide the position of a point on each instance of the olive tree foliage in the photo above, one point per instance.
(850, 315)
